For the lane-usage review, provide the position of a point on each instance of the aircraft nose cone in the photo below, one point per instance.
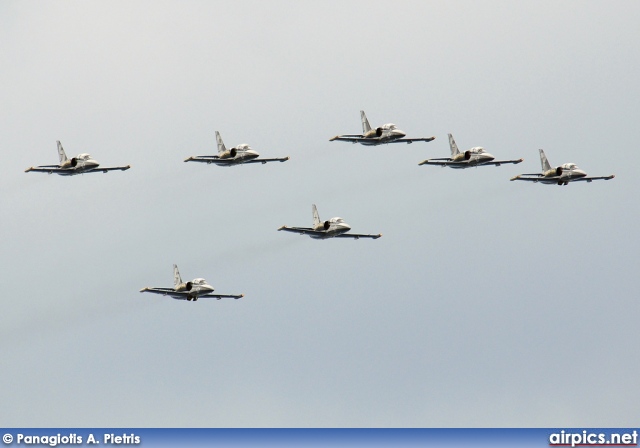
(345, 227)
(252, 153)
(399, 133)
(579, 173)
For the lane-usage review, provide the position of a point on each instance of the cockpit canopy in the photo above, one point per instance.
(243, 147)
(477, 149)
(570, 166)
(337, 220)
(84, 156)
(389, 126)
(199, 281)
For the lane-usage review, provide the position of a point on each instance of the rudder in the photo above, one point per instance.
(221, 147)
(316, 216)
(546, 166)
(453, 146)
(61, 153)
(366, 127)
(177, 280)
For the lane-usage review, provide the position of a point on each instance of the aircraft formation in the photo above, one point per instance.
(335, 227)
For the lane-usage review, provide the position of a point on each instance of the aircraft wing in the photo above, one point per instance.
(163, 291)
(500, 162)
(439, 162)
(375, 140)
(352, 138)
(46, 169)
(281, 159)
(57, 169)
(172, 292)
(201, 158)
(528, 177)
(356, 236)
(302, 230)
(110, 168)
(221, 296)
(590, 179)
(212, 159)
(410, 140)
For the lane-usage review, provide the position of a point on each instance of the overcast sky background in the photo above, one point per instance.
(485, 303)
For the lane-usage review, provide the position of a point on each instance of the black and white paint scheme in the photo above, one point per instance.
(560, 175)
(238, 155)
(387, 133)
(473, 157)
(189, 291)
(80, 164)
(486, 303)
(332, 228)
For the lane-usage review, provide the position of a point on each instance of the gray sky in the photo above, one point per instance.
(486, 302)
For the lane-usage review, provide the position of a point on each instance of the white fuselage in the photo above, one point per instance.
(384, 134)
(562, 174)
(473, 157)
(331, 228)
(195, 288)
(239, 154)
(78, 165)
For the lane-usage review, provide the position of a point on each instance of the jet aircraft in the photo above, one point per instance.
(240, 154)
(81, 164)
(387, 133)
(475, 156)
(561, 175)
(333, 228)
(192, 290)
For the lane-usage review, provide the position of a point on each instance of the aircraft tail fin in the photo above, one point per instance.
(316, 216)
(546, 166)
(453, 146)
(61, 153)
(366, 127)
(177, 280)
(221, 147)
